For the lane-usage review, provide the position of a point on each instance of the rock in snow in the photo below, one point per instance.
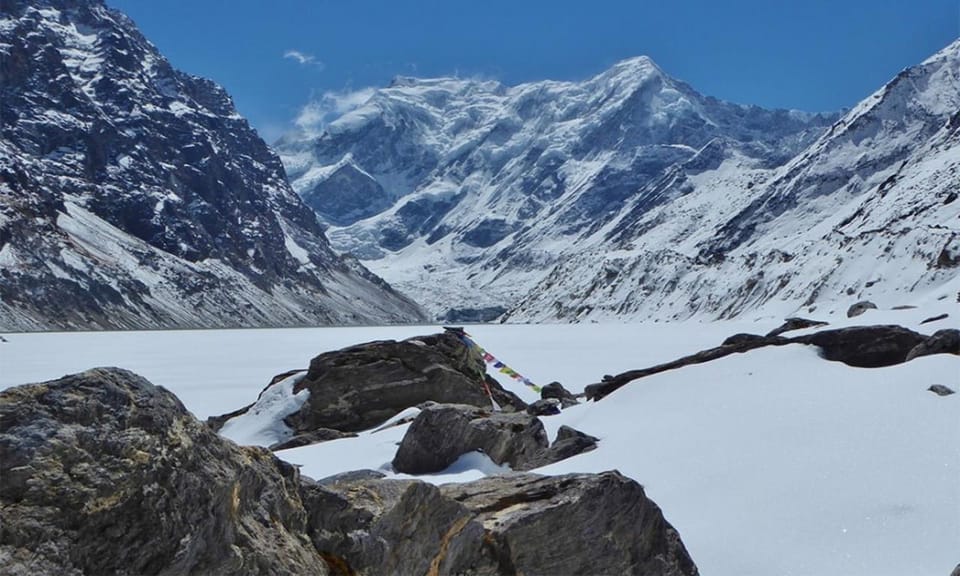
(363, 386)
(630, 195)
(133, 195)
(510, 524)
(442, 433)
(104, 473)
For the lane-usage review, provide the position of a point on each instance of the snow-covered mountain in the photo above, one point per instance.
(468, 193)
(630, 195)
(134, 195)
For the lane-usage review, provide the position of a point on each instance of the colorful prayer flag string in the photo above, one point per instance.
(497, 364)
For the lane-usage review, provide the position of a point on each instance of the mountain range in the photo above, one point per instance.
(632, 196)
(133, 195)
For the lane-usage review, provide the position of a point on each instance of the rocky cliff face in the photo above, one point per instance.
(630, 195)
(134, 195)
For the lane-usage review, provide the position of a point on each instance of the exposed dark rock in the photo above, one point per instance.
(359, 387)
(512, 524)
(865, 346)
(312, 437)
(442, 433)
(569, 443)
(860, 307)
(735, 344)
(556, 390)
(941, 390)
(104, 473)
(935, 318)
(859, 346)
(946, 341)
(795, 324)
(956, 571)
(743, 338)
(544, 407)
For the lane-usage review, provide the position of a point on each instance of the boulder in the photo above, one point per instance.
(795, 324)
(362, 386)
(104, 473)
(442, 433)
(510, 524)
(556, 390)
(865, 346)
(946, 341)
(860, 307)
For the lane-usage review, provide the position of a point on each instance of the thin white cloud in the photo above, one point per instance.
(316, 114)
(302, 58)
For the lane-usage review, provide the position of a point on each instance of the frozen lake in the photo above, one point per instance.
(773, 462)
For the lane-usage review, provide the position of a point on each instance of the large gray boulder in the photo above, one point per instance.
(362, 386)
(441, 433)
(104, 473)
(511, 524)
(860, 307)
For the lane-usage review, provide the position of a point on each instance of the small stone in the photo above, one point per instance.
(860, 307)
(941, 390)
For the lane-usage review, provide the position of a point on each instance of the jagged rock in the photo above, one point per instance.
(860, 307)
(511, 524)
(104, 473)
(442, 433)
(359, 387)
(935, 318)
(544, 407)
(946, 341)
(865, 346)
(556, 390)
(795, 324)
(941, 390)
(570, 442)
(312, 437)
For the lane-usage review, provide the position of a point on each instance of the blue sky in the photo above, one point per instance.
(811, 55)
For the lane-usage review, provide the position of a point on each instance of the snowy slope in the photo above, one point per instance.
(467, 193)
(770, 462)
(632, 196)
(133, 195)
(867, 211)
